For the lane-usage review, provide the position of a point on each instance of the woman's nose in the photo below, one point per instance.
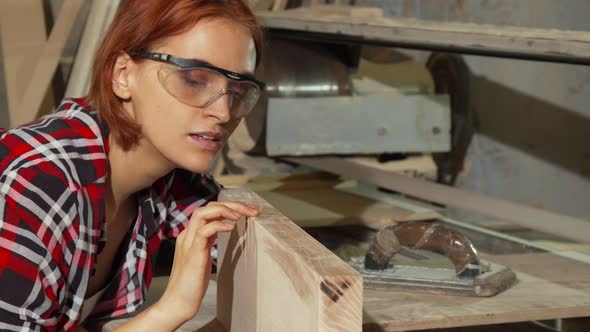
(220, 108)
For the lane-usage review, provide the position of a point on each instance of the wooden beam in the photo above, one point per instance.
(279, 5)
(100, 17)
(480, 39)
(545, 221)
(275, 277)
(346, 10)
(21, 45)
(46, 64)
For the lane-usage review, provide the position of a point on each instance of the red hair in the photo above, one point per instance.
(139, 25)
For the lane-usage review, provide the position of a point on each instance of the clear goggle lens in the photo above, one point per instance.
(200, 87)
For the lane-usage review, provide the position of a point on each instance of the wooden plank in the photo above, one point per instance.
(275, 277)
(311, 200)
(545, 221)
(329, 207)
(100, 17)
(260, 4)
(420, 208)
(366, 124)
(280, 181)
(279, 5)
(531, 299)
(541, 44)
(550, 267)
(21, 45)
(345, 10)
(420, 166)
(47, 63)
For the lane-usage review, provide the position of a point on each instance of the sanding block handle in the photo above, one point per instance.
(426, 236)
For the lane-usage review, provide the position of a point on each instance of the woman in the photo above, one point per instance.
(87, 193)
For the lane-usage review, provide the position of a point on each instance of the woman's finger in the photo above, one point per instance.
(200, 216)
(243, 208)
(205, 233)
(204, 214)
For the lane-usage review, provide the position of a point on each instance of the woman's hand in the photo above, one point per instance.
(192, 258)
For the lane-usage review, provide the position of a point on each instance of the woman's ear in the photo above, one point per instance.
(121, 76)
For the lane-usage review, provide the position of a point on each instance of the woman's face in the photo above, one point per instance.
(187, 136)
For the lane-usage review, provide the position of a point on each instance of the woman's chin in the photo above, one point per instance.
(192, 159)
(202, 165)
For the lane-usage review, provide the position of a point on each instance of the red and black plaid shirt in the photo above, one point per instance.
(52, 187)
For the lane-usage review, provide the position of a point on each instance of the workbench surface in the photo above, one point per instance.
(550, 286)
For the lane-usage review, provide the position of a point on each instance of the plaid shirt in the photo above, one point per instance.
(52, 187)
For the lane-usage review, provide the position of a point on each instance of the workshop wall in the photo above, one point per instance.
(534, 120)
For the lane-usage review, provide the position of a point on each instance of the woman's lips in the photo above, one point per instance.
(208, 140)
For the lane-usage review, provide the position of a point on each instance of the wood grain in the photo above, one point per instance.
(457, 36)
(275, 277)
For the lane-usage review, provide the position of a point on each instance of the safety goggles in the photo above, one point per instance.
(200, 84)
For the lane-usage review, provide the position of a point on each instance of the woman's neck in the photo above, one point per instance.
(134, 170)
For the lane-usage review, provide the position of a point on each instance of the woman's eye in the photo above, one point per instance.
(193, 80)
(238, 91)
(194, 83)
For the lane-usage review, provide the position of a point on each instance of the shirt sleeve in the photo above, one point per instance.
(186, 191)
(34, 208)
